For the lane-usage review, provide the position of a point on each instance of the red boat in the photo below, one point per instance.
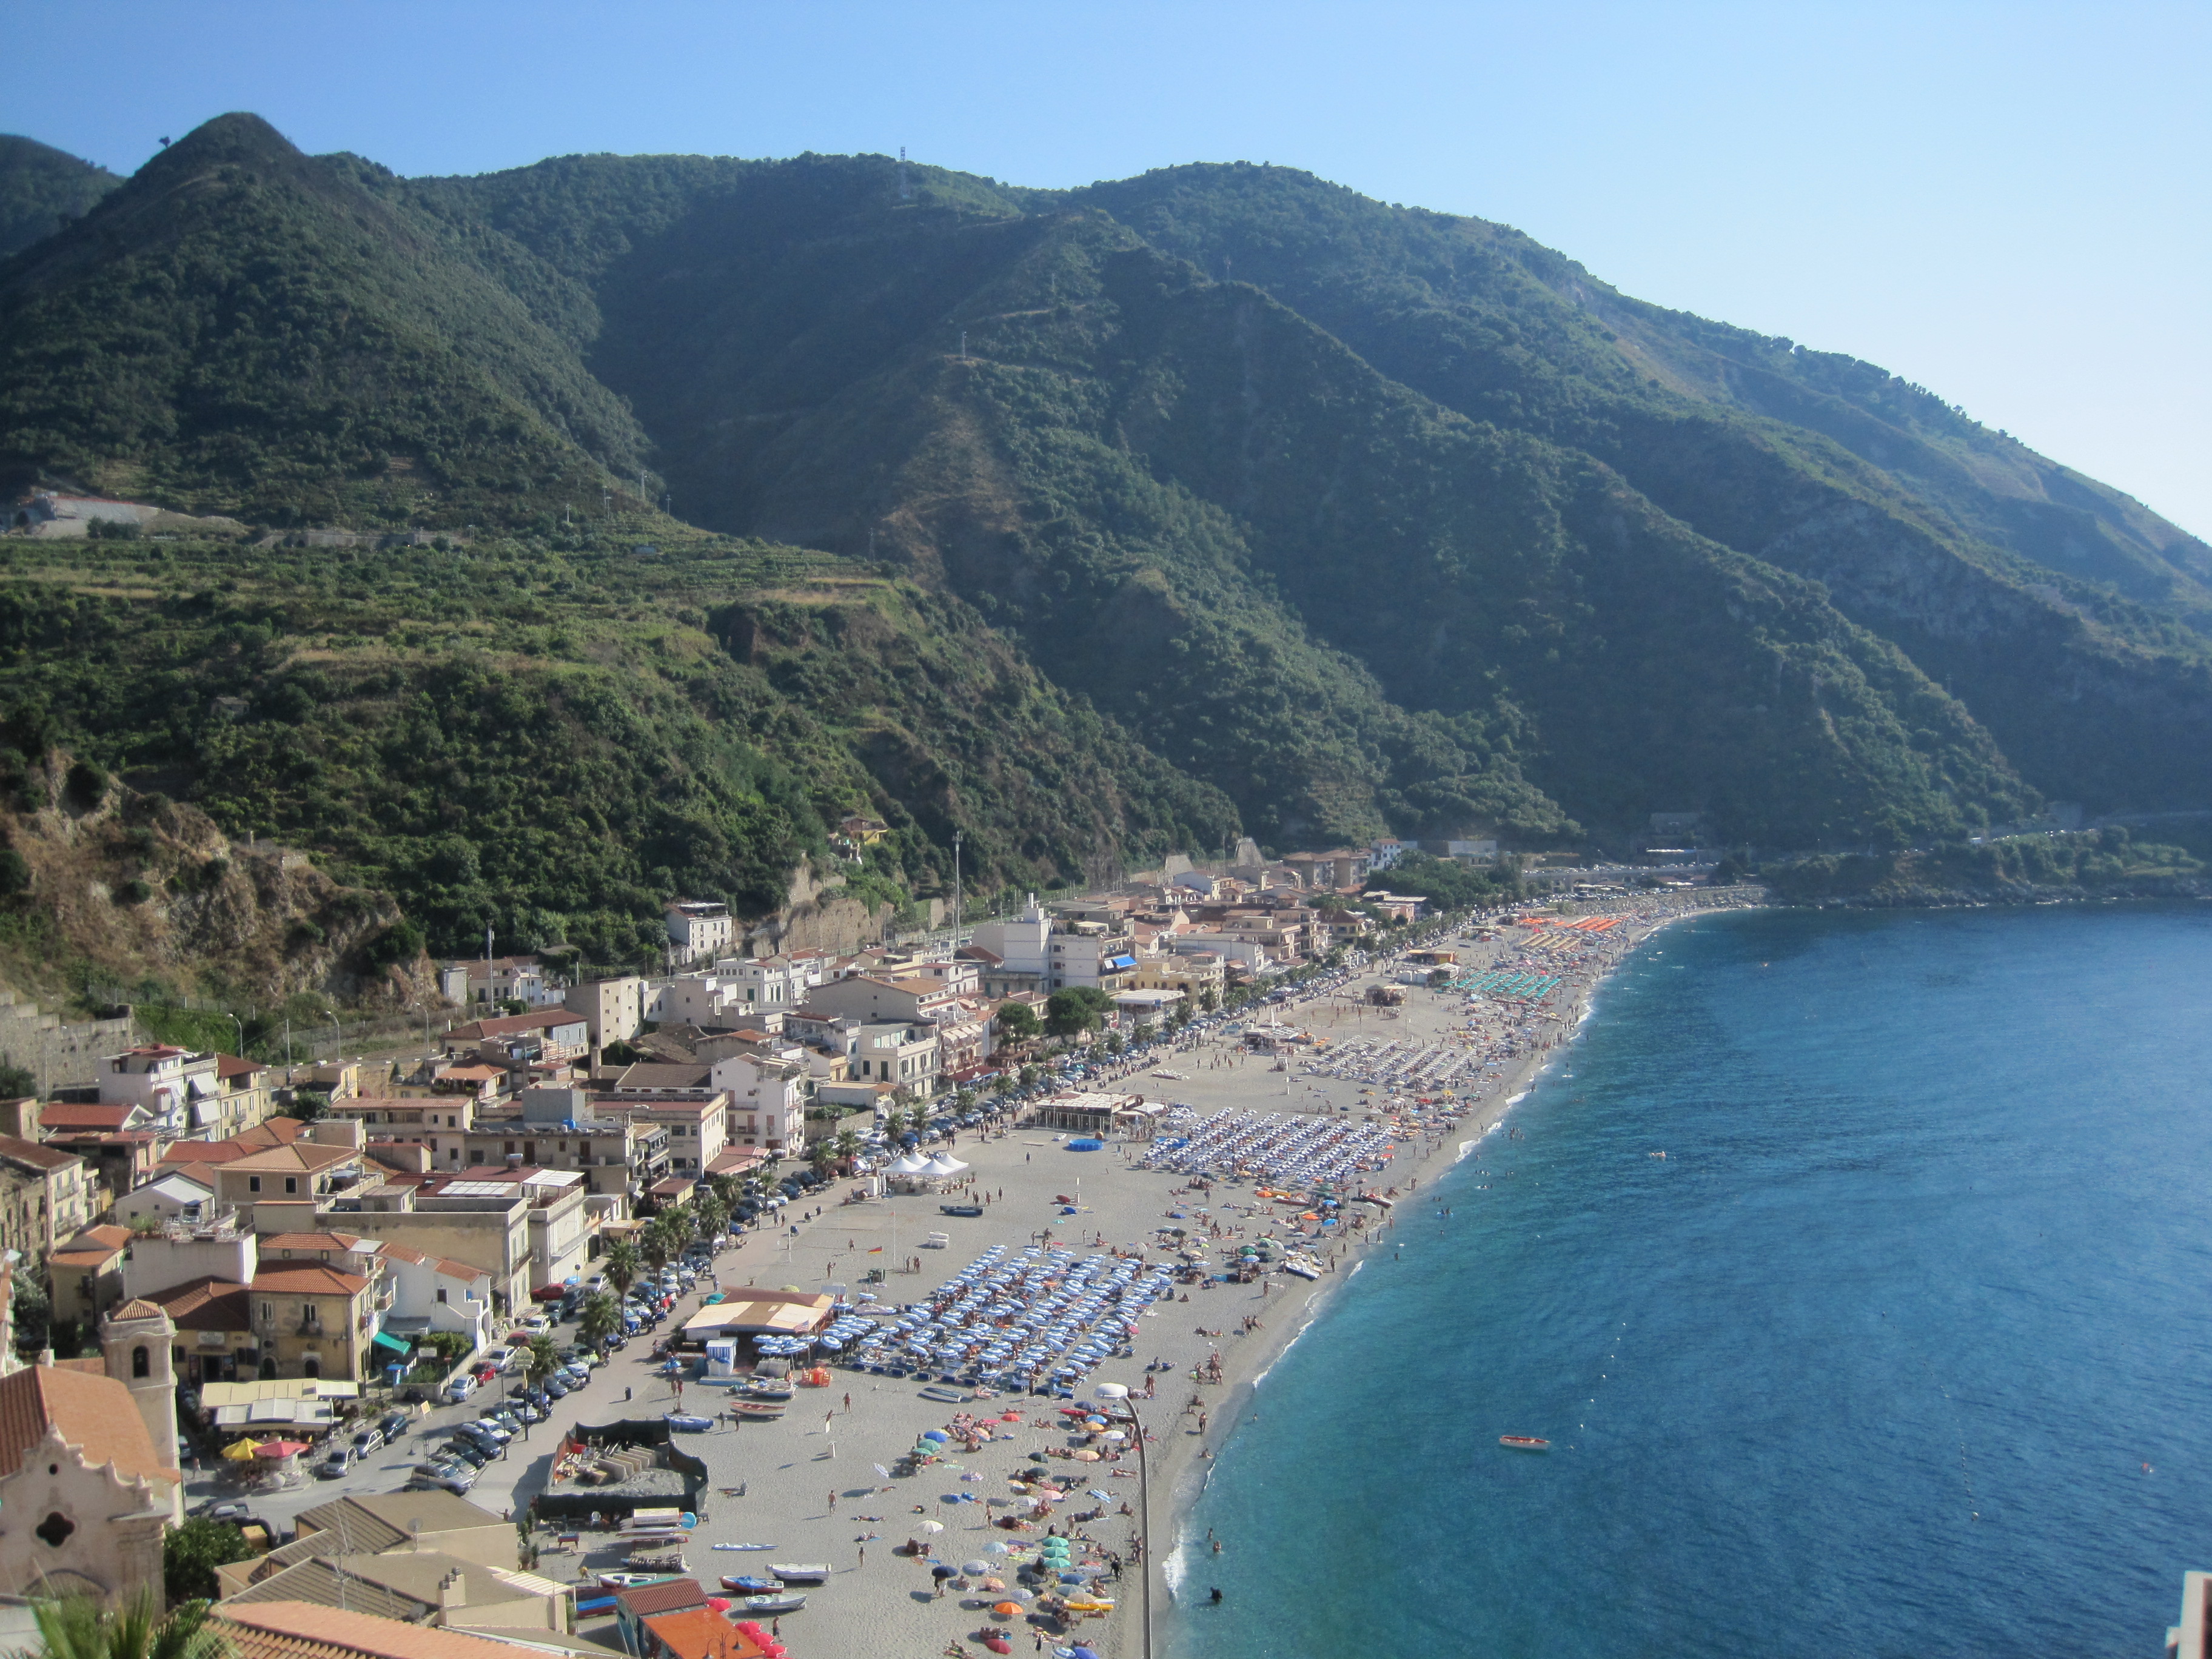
(1523, 1442)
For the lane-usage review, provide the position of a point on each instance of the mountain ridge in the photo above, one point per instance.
(1348, 520)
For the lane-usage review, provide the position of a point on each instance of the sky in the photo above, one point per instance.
(2009, 204)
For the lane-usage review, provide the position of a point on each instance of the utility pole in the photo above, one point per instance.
(956, 889)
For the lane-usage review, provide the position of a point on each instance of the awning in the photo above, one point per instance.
(387, 1340)
(1118, 962)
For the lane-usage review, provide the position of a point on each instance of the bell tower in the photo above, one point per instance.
(136, 1341)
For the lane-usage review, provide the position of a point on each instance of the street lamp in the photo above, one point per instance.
(1118, 1394)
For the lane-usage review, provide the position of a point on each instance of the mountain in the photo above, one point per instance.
(42, 189)
(1271, 508)
(243, 330)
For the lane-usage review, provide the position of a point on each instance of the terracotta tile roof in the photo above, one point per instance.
(317, 1580)
(138, 1308)
(701, 1633)
(17, 1150)
(299, 1630)
(273, 1132)
(304, 1281)
(513, 1025)
(209, 1305)
(67, 1114)
(674, 1595)
(95, 1414)
(374, 1522)
(230, 1066)
(300, 1156)
(311, 1242)
(92, 1248)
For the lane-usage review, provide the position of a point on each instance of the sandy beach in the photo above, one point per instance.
(813, 1481)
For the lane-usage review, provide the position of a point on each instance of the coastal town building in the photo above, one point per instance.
(698, 929)
(43, 1192)
(89, 1474)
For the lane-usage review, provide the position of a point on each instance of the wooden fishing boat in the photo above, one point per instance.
(1523, 1442)
(749, 1583)
(806, 1572)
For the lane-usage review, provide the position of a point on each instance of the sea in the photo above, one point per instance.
(1902, 1347)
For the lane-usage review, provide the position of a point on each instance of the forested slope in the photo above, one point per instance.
(1221, 500)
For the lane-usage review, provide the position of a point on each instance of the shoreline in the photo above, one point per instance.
(767, 1481)
(1188, 1468)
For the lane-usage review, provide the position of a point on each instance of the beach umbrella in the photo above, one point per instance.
(974, 1569)
(933, 1525)
(1086, 1456)
(1008, 1609)
(942, 1572)
(938, 1435)
(239, 1450)
(992, 1584)
(1082, 1653)
(280, 1448)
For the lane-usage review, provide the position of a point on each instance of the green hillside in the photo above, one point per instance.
(245, 330)
(42, 189)
(1217, 501)
(553, 738)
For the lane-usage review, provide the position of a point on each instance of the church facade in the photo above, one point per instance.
(89, 1477)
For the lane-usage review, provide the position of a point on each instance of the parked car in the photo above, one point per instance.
(339, 1462)
(458, 1481)
(498, 1359)
(392, 1424)
(469, 1452)
(367, 1441)
(460, 1389)
(491, 1426)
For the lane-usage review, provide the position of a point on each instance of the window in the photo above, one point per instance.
(141, 1365)
(254, 1183)
(268, 1313)
(441, 1293)
(291, 1183)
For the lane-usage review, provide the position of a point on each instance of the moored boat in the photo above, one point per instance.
(1523, 1442)
(806, 1572)
(774, 1606)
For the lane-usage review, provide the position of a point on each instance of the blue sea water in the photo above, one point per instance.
(1871, 1362)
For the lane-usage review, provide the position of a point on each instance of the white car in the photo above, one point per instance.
(535, 1323)
(500, 1359)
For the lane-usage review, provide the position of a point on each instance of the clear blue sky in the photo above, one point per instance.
(2006, 203)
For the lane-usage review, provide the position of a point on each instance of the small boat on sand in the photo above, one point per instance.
(770, 1607)
(803, 1573)
(751, 1583)
(1523, 1442)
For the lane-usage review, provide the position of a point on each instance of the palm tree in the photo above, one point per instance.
(599, 1318)
(822, 1154)
(711, 1214)
(849, 1147)
(894, 1124)
(81, 1628)
(541, 1359)
(664, 1235)
(621, 1265)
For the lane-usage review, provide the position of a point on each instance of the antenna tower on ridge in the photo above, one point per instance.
(905, 191)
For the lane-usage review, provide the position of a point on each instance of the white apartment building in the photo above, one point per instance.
(904, 1056)
(1022, 945)
(732, 993)
(163, 1079)
(768, 1095)
(698, 929)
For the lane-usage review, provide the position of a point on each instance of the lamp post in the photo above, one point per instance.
(1116, 1394)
